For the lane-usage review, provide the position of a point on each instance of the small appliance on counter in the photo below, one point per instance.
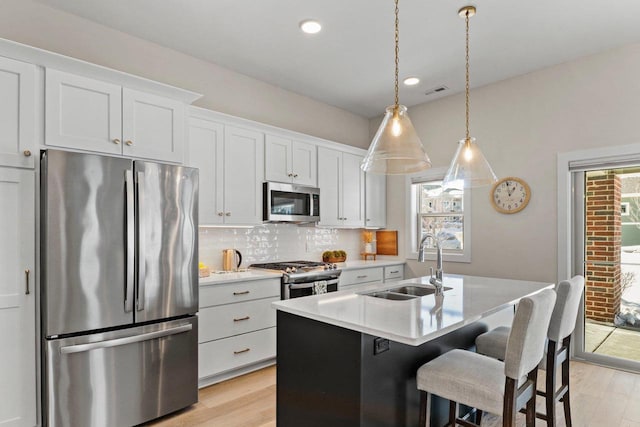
(304, 278)
(229, 257)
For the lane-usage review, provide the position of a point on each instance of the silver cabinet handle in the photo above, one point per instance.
(27, 273)
(368, 220)
(116, 141)
(241, 293)
(130, 228)
(220, 213)
(242, 351)
(295, 175)
(27, 153)
(240, 319)
(228, 214)
(361, 277)
(394, 272)
(289, 175)
(124, 341)
(141, 246)
(129, 142)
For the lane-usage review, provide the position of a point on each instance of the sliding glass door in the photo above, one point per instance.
(605, 223)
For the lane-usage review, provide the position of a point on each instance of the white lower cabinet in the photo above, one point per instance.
(360, 276)
(18, 358)
(394, 273)
(237, 328)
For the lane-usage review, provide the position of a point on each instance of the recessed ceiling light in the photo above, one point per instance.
(310, 26)
(411, 81)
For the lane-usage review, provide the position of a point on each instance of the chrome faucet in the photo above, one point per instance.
(435, 281)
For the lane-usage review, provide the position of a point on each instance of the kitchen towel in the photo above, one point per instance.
(320, 287)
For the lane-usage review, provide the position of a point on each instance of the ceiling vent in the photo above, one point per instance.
(437, 89)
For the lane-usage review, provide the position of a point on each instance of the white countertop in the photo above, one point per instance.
(241, 276)
(228, 277)
(358, 263)
(418, 320)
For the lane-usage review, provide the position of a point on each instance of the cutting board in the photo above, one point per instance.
(387, 242)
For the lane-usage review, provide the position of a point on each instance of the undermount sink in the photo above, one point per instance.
(416, 290)
(407, 292)
(390, 295)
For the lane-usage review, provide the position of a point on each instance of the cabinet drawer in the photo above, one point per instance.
(234, 319)
(394, 272)
(226, 293)
(215, 357)
(363, 275)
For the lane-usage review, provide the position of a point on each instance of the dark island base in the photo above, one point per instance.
(328, 376)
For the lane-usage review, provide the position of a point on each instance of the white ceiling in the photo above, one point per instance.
(350, 63)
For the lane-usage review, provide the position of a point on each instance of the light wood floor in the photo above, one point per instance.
(601, 397)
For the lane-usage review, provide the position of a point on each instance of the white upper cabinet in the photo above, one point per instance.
(87, 114)
(375, 201)
(17, 114)
(289, 160)
(18, 357)
(231, 163)
(341, 185)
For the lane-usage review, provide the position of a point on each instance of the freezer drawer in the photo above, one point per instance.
(122, 378)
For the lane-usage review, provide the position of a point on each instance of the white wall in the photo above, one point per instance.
(35, 24)
(521, 125)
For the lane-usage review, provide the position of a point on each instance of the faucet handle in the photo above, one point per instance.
(431, 271)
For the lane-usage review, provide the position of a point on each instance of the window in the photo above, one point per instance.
(442, 213)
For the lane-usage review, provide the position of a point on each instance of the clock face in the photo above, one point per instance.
(510, 195)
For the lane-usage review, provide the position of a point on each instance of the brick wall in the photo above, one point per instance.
(603, 243)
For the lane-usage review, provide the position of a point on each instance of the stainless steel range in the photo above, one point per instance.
(304, 278)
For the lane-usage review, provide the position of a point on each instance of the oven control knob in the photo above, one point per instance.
(287, 270)
(293, 269)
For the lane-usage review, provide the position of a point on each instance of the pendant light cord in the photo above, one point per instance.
(467, 75)
(397, 35)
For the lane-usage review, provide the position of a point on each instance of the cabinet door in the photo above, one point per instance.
(152, 126)
(305, 163)
(82, 113)
(277, 159)
(243, 172)
(353, 191)
(375, 199)
(17, 113)
(17, 301)
(205, 140)
(329, 180)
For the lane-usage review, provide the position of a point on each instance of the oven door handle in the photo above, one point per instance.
(301, 285)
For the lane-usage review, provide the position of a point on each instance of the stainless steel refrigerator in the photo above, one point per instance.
(119, 289)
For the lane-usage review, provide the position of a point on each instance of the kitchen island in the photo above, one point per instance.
(349, 358)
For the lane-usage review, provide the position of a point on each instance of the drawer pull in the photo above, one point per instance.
(246, 350)
(239, 319)
(241, 293)
(361, 277)
(394, 272)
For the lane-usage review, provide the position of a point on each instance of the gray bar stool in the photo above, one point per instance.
(563, 322)
(488, 384)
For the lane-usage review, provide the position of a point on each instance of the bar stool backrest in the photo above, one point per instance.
(563, 319)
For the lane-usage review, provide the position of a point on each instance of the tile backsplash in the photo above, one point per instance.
(276, 242)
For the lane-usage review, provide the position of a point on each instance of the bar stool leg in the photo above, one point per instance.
(566, 400)
(453, 413)
(478, 417)
(425, 409)
(509, 407)
(550, 384)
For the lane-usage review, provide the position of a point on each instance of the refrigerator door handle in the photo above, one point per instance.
(141, 245)
(79, 348)
(130, 240)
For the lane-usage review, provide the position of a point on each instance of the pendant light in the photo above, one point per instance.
(469, 167)
(396, 148)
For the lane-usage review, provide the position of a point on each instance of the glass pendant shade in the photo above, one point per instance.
(396, 148)
(469, 168)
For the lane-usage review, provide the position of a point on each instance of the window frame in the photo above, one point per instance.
(435, 174)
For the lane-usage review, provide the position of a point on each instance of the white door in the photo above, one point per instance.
(375, 200)
(17, 113)
(152, 126)
(353, 190)
(329, 180)
(82, 113)
(305, 163)
(204, 152)
(277, 159)
(17, 298)
(243, 172)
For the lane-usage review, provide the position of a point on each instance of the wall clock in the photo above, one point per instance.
(510, 195)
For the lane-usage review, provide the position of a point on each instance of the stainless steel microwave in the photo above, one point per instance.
(290, 203)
